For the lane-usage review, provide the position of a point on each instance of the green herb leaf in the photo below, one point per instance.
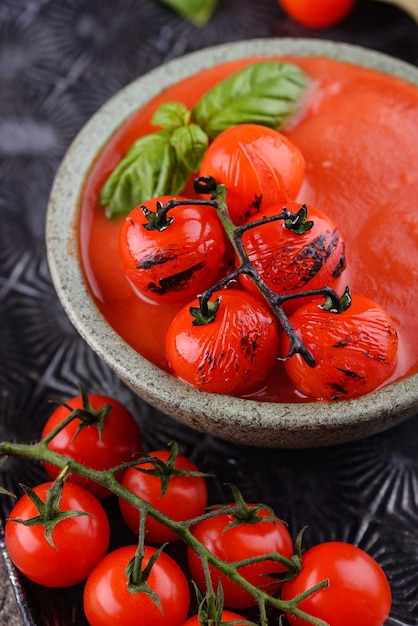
(198, 12)
(171, 115)
(264, 93)
(190, 143)
(160, 163)
(151, 168)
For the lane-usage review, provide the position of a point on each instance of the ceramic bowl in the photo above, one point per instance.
(264, 424)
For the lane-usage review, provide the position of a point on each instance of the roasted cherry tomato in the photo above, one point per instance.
(258, 165)
(358, 593)
(174, 255)
(184, 497)
(104, 436)
(355, 350)
(109, 599)
(230, 354)
(78, 543)
(317, 13)
(300, 252)
(235, 542)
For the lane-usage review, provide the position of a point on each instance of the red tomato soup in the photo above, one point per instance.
(358, 132)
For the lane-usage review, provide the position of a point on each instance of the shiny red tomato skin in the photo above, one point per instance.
(186, 497)
(290, 263)
(80, 541)
(107, 600)
(234, 544)
(229, 355)
(178, 262)
(317, 13)
(358, 594)
(355, 351)
(258, 165)
(227, 616)
(120, 441)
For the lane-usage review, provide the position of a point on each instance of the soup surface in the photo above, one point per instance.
(358, 132)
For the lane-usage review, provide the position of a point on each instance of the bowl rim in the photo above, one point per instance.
(285, 424)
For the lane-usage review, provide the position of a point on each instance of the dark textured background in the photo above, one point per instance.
(59, 61)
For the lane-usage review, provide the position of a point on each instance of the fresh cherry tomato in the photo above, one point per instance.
(235, 543)
(108, 599)
(105, 436)
(355, 350)
(317, 13)
(78, 542)
(226, 616)
(185, 496)
(358, 593)
(258, 165)
(176, 259)
(230, 354)
(304, 251)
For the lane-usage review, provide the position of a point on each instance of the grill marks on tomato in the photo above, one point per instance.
(307, 262)
(158, 258)
(175, 282)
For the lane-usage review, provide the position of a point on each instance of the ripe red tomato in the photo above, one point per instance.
(186, 496)
(317, 13)
(242, 541)
(107, 442)
(80, 542)
(358, 593)
(290, 261)
(258, 165)
(355, 350)
(108, 600)
(177, 261)
(230, 354)
(226, 616)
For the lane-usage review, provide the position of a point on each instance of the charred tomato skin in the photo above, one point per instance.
(258, 165)
(178, 261)
(289, 262)
(229, 355)
(355, 351)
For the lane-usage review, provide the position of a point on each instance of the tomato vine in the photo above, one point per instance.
(40, 452)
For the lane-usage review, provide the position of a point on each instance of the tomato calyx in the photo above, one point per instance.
(49, 513)
(297, 223)
(137, 576)
(248, 514)
(211, 608)
(164, 470)
(87, 415)
(338, 305)
(205, 313)
(159, 219)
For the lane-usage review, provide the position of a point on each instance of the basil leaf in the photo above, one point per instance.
(190, 143)
(264, 93)
(151, 168)
(198, 12)
(171, 115)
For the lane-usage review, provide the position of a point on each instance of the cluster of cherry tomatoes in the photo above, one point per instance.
(256, 251)
(57, 534)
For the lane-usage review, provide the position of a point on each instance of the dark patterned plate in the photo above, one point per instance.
(60, 60)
